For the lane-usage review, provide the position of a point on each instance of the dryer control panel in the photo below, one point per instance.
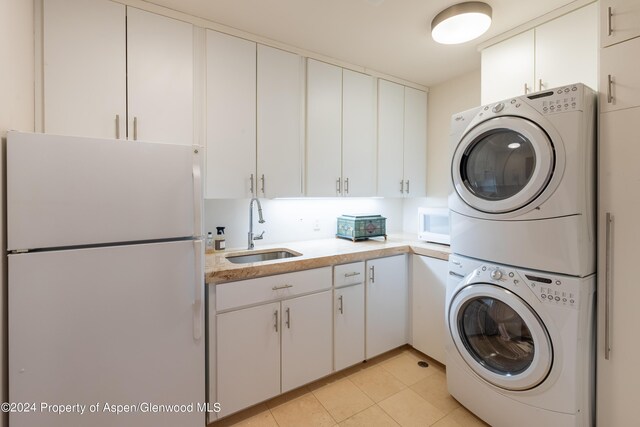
(550, 289)
(559, 100)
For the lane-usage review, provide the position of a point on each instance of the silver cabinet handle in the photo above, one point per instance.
(609, 16)
(338, 186)
(401, 186)
(346, 186)
(288, 322)
(251, 184)
(540, 85)
(275, 288)
(355, 273)
(275, 324)
(341, 307)
(117, 126)
(607, 287)
(135, 128)
(407, 186)
(526, 89)
(609, 89)
(372, 274)
(262, 184)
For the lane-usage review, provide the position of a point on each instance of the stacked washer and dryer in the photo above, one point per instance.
(520, 295)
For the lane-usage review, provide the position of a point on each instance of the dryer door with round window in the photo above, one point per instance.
(500, 337)
(503, 164)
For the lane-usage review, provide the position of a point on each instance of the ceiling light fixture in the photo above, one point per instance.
(461, 22)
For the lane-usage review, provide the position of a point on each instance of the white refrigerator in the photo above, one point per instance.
(106, 282)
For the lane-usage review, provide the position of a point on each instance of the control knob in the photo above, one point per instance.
(496, 274)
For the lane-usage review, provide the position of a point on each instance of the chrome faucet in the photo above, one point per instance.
(260, 220)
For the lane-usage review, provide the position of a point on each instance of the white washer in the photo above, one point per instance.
(523, 173)
(519, 347)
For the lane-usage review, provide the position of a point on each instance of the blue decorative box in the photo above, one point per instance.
(361, 227)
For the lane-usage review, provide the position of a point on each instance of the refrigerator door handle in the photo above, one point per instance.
(198, 318)
(197, 191)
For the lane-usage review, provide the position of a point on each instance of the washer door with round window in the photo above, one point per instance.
(503, 164)
(500, 337)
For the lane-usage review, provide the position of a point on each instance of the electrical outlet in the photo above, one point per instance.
(316, 225)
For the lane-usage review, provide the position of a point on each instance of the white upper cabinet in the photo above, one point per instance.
(280, 121)
(160, 78)
(324, 129)
(507, 68)
(619, 21)
(415, 142)
(112, 71)
(559, 52)
(566, 50)
(231, 116)
(84, 87)
(620, 81)
(358, 134)
(402, 140)
(390, 139)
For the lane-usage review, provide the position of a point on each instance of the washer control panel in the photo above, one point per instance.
(549, 289)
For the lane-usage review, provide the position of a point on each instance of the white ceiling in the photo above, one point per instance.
(389, 36)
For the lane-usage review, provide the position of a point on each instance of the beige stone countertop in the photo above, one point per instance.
(315, 254)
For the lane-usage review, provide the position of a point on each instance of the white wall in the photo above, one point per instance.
(16, 112)
(289, 220)
(446, 99)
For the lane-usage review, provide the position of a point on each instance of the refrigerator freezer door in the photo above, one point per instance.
(69, 191)
(113, 326)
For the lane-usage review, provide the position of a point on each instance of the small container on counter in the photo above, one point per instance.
(209, 246)
(219, 243)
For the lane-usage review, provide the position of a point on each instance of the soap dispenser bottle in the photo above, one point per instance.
(219, 243)
(210, 242)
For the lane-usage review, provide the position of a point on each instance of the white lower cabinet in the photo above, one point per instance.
(429, 286)
(273, 347)
(248, 343)
(348, 326)
(387, 302)
(306, 339)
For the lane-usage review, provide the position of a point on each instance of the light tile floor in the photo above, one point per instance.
(390, 390)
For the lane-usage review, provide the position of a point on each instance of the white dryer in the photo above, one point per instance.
(520, 344)
(523, 173)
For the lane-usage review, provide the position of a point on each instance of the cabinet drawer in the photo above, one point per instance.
(348, 274)
(253, 291)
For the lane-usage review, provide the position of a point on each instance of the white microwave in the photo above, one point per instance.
(433, 225)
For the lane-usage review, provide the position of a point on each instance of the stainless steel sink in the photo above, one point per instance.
(262, 256)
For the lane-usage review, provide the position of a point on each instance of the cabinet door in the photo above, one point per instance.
(621, 62)
(231, 116)
(619, 21)
(429, 286)
(159, 78)
(85, 71)
(387, 304)
(415, 142)
(358, 134)
(324, 129)
(390, 139)
(348, 326)
(306, 339)
(567, 50)
(248, 357)
(280, 116)
(618, 377)
(507, 68)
